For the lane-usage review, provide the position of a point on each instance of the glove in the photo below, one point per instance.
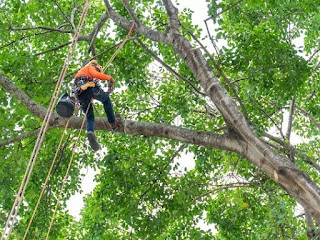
(86, 85)
(110, 89)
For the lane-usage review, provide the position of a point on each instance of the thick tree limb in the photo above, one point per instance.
(290, 178)
(172, 13)
(207, 139)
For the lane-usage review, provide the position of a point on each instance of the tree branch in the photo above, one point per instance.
(294, 150)
(96, 29)
(172, 13)
(126, 4)
(168, 67)
(304, 112)
(290, 119)
(206, 139)
(63, 13)
(140, 29)
(42, 28)
(19, 138)
(225, 10)
(221, 73)
(81, 38)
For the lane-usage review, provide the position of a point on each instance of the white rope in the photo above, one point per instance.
(15, 208)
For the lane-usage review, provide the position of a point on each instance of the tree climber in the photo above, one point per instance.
(86, 87)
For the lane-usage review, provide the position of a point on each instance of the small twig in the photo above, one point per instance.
(53, 49)
(66, 17)
(225, 10)
(294, 150)
(290, 119)
(304, 112)
(42, 28)
(23, 37)
(21, 137)
(212, 41)
(267, 115)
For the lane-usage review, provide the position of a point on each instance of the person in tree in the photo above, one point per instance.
(86, 88)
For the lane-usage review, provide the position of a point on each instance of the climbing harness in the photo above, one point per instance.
(16, 205)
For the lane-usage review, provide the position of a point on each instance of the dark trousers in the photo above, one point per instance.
(98, 94)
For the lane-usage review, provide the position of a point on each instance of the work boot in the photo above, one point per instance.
(92, 141)
(113, 126)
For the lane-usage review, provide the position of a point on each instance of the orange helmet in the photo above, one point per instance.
(96, 64)
(93, 62)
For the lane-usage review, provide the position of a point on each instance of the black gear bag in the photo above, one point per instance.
(65, 106)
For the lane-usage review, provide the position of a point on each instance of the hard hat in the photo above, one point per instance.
(93, 62)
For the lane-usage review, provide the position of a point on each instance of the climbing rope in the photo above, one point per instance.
(73, 151)
(76, 143)
(67, 172)
(15, 208)
(47, 179)
(119, 48)
(70, 161)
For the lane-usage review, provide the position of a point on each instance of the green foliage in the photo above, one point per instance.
(144, 190)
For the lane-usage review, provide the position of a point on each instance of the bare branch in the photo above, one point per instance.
(168, 67)
(140, 29)
(291, 148)
(172, 13)
(304, 112)
(42, 28)
(126, 4)
(225, 10)
(290, 119)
